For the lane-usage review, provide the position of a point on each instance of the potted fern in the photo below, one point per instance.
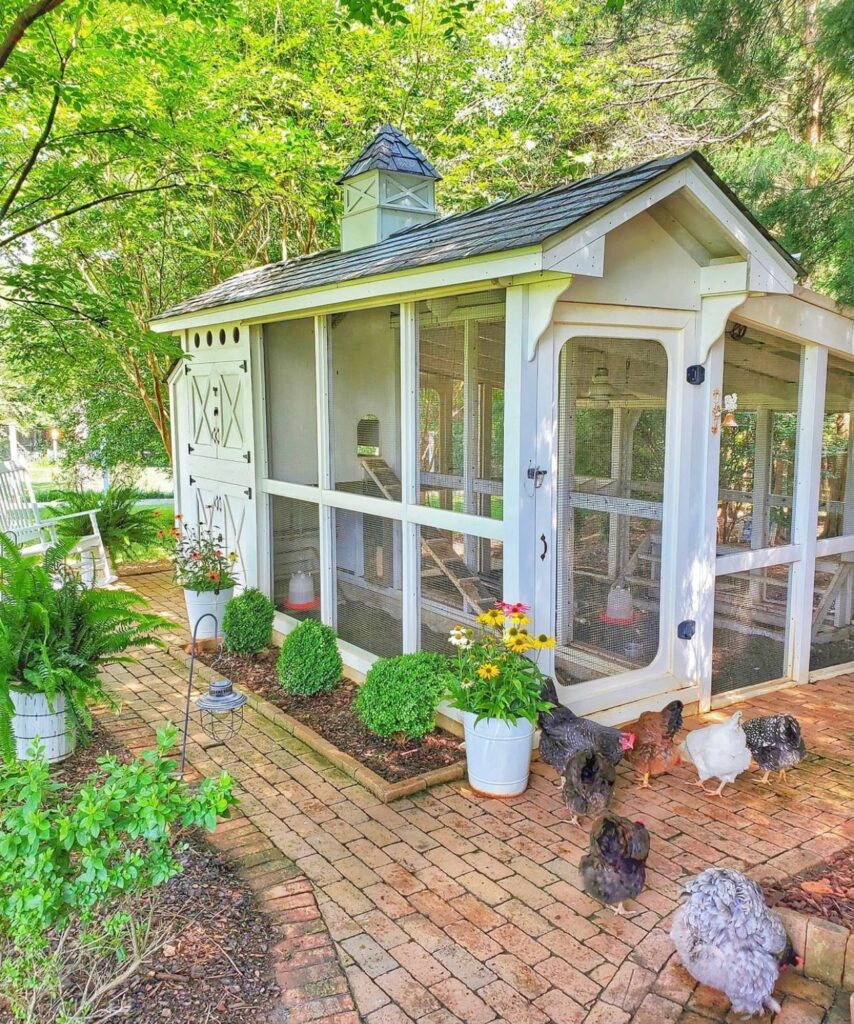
(498, 687)
(205, 571)
(55, 637)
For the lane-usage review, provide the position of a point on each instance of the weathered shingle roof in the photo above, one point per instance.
(499, 227)
(390, 150)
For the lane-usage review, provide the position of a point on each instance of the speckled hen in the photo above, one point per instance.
(776, 743)
(564, 734)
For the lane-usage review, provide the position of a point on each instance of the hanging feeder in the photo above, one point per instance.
(619, 610)
(301, 592)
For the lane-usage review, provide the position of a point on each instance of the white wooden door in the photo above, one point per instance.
(229, 510)
(203, 382)
(233, 420)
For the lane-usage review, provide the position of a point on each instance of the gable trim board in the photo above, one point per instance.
(460, 248)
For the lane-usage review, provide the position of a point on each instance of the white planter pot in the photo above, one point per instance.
(33, 718)
(498, 755)
(201, 603)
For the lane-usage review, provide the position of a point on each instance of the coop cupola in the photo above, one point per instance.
(390, 185)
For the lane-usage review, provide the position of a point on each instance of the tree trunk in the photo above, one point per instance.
(814, 97)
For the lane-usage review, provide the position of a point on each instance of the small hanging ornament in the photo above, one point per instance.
(730, 406)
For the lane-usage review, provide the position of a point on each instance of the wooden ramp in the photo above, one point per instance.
(435, 544)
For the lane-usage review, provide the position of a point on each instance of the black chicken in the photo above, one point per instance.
(775, 742)
(564, 734)
(588, 781)
(614, 868)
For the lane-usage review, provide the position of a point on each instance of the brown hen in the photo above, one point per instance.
(655, 751)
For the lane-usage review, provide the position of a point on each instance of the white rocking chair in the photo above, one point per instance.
(22, 521)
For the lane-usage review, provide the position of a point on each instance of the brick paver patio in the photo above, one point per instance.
(444, 907)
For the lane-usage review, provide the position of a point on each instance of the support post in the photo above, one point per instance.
(470, 431)
(813, 379)
(328, 581)
(409, 475)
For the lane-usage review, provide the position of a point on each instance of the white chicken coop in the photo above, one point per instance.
(611, 400)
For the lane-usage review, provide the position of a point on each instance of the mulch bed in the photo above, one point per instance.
(825, 891)
(214, 965)
(331, 715)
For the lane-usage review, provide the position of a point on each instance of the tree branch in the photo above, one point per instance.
(32, 12)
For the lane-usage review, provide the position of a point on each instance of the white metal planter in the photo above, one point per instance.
(498, 755)
(34, 719)
(203, 602)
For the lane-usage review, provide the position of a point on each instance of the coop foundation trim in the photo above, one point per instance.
(827, 947)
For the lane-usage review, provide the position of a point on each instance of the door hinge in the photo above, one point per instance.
(186, 368)
(244, 366)
(248, 493)
(192, 480)
(190, 449)
(248, 456)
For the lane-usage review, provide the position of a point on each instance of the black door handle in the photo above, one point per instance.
(545, 550)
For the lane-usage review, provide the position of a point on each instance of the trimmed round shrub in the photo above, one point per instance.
(400, 694)
(309, 661)
(247, 623)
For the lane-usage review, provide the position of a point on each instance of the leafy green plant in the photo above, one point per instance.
(491, 675)
(199, 558)
(400, 694)
(125, 526)
(309, 661)
(247, 623)
(56, 634)
(72, 855)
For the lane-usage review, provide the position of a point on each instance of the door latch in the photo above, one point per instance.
(537, 475)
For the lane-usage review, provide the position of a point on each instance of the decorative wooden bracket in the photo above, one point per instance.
(542, 299)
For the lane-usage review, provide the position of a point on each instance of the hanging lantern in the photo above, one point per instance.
(600, 386)
(221, 710)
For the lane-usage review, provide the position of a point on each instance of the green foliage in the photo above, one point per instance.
(56, 634)
(247, 623)
(309, 661)
(400, 694)
(68, 856)
(125, 526)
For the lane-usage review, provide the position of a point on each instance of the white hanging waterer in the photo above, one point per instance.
(301, 591)
(620, 610)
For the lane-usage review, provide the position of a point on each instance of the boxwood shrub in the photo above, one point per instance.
(309, 661)
(400, 694)
(247, 624)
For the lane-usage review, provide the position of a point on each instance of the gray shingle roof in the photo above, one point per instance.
(499, 227)
(390, 150)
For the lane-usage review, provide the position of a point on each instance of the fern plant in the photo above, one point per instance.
(126, 527)
(56, 634)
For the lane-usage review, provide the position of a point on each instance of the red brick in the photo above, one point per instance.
(518, 975)
(570, 980)
(420, 964)
(560, 1007)
(407, 993)
(463, 1002)
(473, 939)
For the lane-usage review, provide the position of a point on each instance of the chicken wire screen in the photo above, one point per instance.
(461, 576)
(757, 441)
(368, 575)
(291, 401)
(296, 557)
(611, 444)
(461, 402)
(750, 628)
(832, 641)
(364, 367)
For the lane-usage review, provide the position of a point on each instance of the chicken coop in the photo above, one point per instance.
(611, 400)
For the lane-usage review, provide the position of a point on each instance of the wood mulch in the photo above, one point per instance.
(331, 715)
(825, 891)
(213, 964)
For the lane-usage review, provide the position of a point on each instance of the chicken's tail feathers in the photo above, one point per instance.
(673, 717)
(548, 691)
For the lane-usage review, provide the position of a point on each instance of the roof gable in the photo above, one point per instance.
(502, 226)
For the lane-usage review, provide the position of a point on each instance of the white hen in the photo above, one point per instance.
(718, 752)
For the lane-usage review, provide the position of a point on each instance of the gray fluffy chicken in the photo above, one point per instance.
(564, 734)
(776, 743)
(729, 940)
(588, 782)
(614, 869)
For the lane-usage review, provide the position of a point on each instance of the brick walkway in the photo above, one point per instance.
(444, 907)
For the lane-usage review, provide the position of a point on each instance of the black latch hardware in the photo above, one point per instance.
(686, 629)
(248, 493)
(696, 374)
(248, 456)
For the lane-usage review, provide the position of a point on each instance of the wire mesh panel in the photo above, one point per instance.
(461, 402)
(296, 557)
(291, 401)
(750, 628)
(364, 348)
(757, 451)
(369, 584)
(611, 441)
(833, 596)
(461, 576)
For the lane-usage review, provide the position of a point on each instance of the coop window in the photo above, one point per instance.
(368, 436)
(461, 402)
(296, 557)
(291, 401)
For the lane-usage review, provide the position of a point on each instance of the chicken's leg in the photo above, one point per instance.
(764, 779)
(719, 791)
(645, 781)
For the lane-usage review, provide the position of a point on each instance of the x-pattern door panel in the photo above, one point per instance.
(204, 409)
